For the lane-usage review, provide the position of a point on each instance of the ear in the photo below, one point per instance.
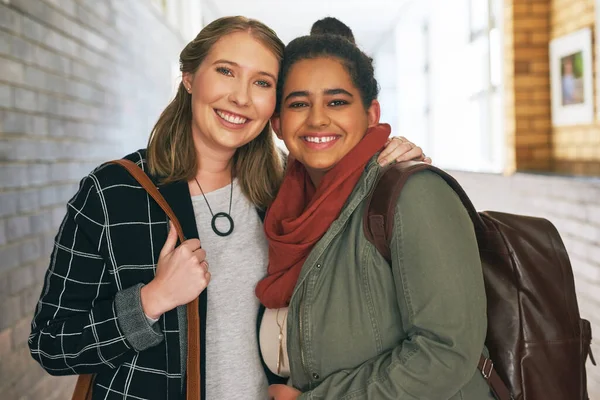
(374, 113)
(276, 125)
(187, 79)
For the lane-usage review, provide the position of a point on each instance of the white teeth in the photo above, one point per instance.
(231, 118)
(319, 139)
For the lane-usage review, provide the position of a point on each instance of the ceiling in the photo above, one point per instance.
(370, 20)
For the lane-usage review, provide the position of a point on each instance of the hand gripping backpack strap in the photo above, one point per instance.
(378, 223)
(83, 389)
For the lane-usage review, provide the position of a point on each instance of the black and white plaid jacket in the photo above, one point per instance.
(89, 317)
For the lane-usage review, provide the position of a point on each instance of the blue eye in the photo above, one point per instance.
(224, 71)
(264, 84)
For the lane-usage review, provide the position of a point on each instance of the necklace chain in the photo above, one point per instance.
(220, 214)
(206, 200)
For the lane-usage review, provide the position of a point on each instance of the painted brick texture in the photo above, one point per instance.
(81, 82)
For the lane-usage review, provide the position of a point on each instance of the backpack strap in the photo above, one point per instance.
(193, 390)
(378, 220)
(378, 223)
(497, 386)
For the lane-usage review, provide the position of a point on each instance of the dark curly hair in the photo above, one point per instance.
(332, 26)
(326, 45)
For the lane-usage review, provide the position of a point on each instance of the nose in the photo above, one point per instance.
(318, 117)
(241, 95)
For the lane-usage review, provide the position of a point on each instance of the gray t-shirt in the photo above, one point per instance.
(236, 263)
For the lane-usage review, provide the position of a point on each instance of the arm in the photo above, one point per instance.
(439, 282)
(80, 326)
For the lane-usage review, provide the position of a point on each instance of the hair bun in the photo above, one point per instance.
(332, 26)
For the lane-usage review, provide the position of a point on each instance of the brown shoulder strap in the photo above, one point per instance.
(83, 388)
(143, 179)
(378, 220)
(378, 223)
(192, 311)
(497, 386)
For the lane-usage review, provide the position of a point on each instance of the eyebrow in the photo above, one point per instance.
(327, 92)
(234, 64)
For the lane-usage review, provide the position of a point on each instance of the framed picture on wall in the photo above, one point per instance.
(571, 79)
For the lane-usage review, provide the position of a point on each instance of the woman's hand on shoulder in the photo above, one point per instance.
(283, 392)
(181, 275)
(399, 149)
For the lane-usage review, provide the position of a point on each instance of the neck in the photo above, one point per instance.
(315, 176)
(214, 166)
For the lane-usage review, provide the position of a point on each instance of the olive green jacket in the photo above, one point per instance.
(360, 329)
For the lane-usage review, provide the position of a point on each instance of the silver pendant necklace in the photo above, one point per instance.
(226, 215)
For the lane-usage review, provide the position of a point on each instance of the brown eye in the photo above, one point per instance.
(298, 104)
(338, 103)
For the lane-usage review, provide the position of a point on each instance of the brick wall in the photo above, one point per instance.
(534, 144)
(576, 148)
(573, 206)
(81, 82)
(527, 85)
(508, 68)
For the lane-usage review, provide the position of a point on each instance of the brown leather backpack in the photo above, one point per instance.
(536, 338)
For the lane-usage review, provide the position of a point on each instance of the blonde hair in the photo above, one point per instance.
(171, 152)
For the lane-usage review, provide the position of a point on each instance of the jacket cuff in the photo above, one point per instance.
(133, 322)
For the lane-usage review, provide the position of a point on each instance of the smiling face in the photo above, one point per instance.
(233, 92)
(322, 114)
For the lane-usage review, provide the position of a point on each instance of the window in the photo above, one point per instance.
(450, 89)
(427, 82)
(485, 84)
(160, 5)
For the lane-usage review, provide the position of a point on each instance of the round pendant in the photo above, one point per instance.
(214, 224)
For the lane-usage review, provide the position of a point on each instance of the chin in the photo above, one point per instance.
(235, 140)
(320, 166)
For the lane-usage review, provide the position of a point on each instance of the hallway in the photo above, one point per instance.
(84, 81)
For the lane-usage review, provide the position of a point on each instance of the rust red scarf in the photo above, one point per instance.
(301, 214)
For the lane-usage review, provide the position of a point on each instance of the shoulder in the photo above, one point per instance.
(425, 183)
(427, 196)
(110, 178)
(110, 175)
(109, 189)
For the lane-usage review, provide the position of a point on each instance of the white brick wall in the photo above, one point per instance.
(573, 206)
(81, 81)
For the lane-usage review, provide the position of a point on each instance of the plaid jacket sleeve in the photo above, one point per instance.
(80, 326)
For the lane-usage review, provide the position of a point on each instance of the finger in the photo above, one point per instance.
(274, 391)
(171, 241)
(389, 148)
(200, 255)
(204, 265)
(415, 153)
(192, 244)
(428, 160)
(202, 281)
(398, 153)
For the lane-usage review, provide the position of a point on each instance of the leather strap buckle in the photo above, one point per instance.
(487, 373)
